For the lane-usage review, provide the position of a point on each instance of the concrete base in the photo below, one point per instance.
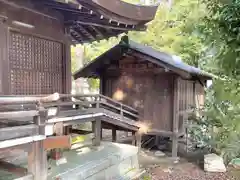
(108, 161)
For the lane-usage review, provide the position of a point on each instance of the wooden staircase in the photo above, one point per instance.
(42, 122)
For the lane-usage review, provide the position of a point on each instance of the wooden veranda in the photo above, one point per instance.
(36, 125)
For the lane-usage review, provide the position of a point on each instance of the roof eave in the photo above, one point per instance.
(100, 19)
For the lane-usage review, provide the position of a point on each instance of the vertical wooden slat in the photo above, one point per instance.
(4, 84)
(67, 69)
(176, 98)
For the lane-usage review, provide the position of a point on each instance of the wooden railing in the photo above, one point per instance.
(29, 114)
(17, 121)
(68, 100)
(101, 101)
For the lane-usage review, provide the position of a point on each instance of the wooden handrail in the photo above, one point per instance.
(28, 99)
(18, 114)
(52, 98)
(121, 104)
(58, 100)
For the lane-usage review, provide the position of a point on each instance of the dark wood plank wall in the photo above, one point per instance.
(163, 97)
(186, 99)
(150, 90)
(199, 95)
(191, 96)
(146, 88)
(47, 31)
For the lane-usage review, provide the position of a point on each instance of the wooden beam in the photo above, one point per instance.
(20, 141)
(22, 6)
(97, 31)
(57, 142)
(125, 139)
(88, 34)
(157, 132)
(13, 168)
(18, 131)
(182, 73)
(73, 31)
(18, 114)
(102, 25)
(79, 131)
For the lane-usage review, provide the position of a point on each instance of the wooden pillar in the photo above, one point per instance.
(67, 80)
(93, 126)
(138, 141)
(174, 145)
(67, 130)
(97, 132)
(126, 133)
(114, 134)
(157, 140)
(56, 154)
(176, 96)
(101, 133)
(133, 138)
(37, 161)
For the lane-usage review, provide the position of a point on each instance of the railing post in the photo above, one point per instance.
(40, 120)
(37, 156)
(97, 100)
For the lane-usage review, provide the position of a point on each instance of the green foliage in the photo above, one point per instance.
(222, 30)
(175, 31)
(219, 127)
(220, 27)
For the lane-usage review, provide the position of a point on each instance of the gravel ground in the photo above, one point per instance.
(187, 171)
(161, 168)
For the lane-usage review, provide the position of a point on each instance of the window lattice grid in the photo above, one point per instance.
(35, 65)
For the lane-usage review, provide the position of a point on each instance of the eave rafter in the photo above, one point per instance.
(90, 20)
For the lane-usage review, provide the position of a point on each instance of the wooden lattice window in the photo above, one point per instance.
(36, 65)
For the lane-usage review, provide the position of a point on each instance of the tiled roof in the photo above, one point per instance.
(161, 58)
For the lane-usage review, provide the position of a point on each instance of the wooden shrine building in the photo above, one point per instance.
(35, 62)
(35, 38)
(160, 86)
